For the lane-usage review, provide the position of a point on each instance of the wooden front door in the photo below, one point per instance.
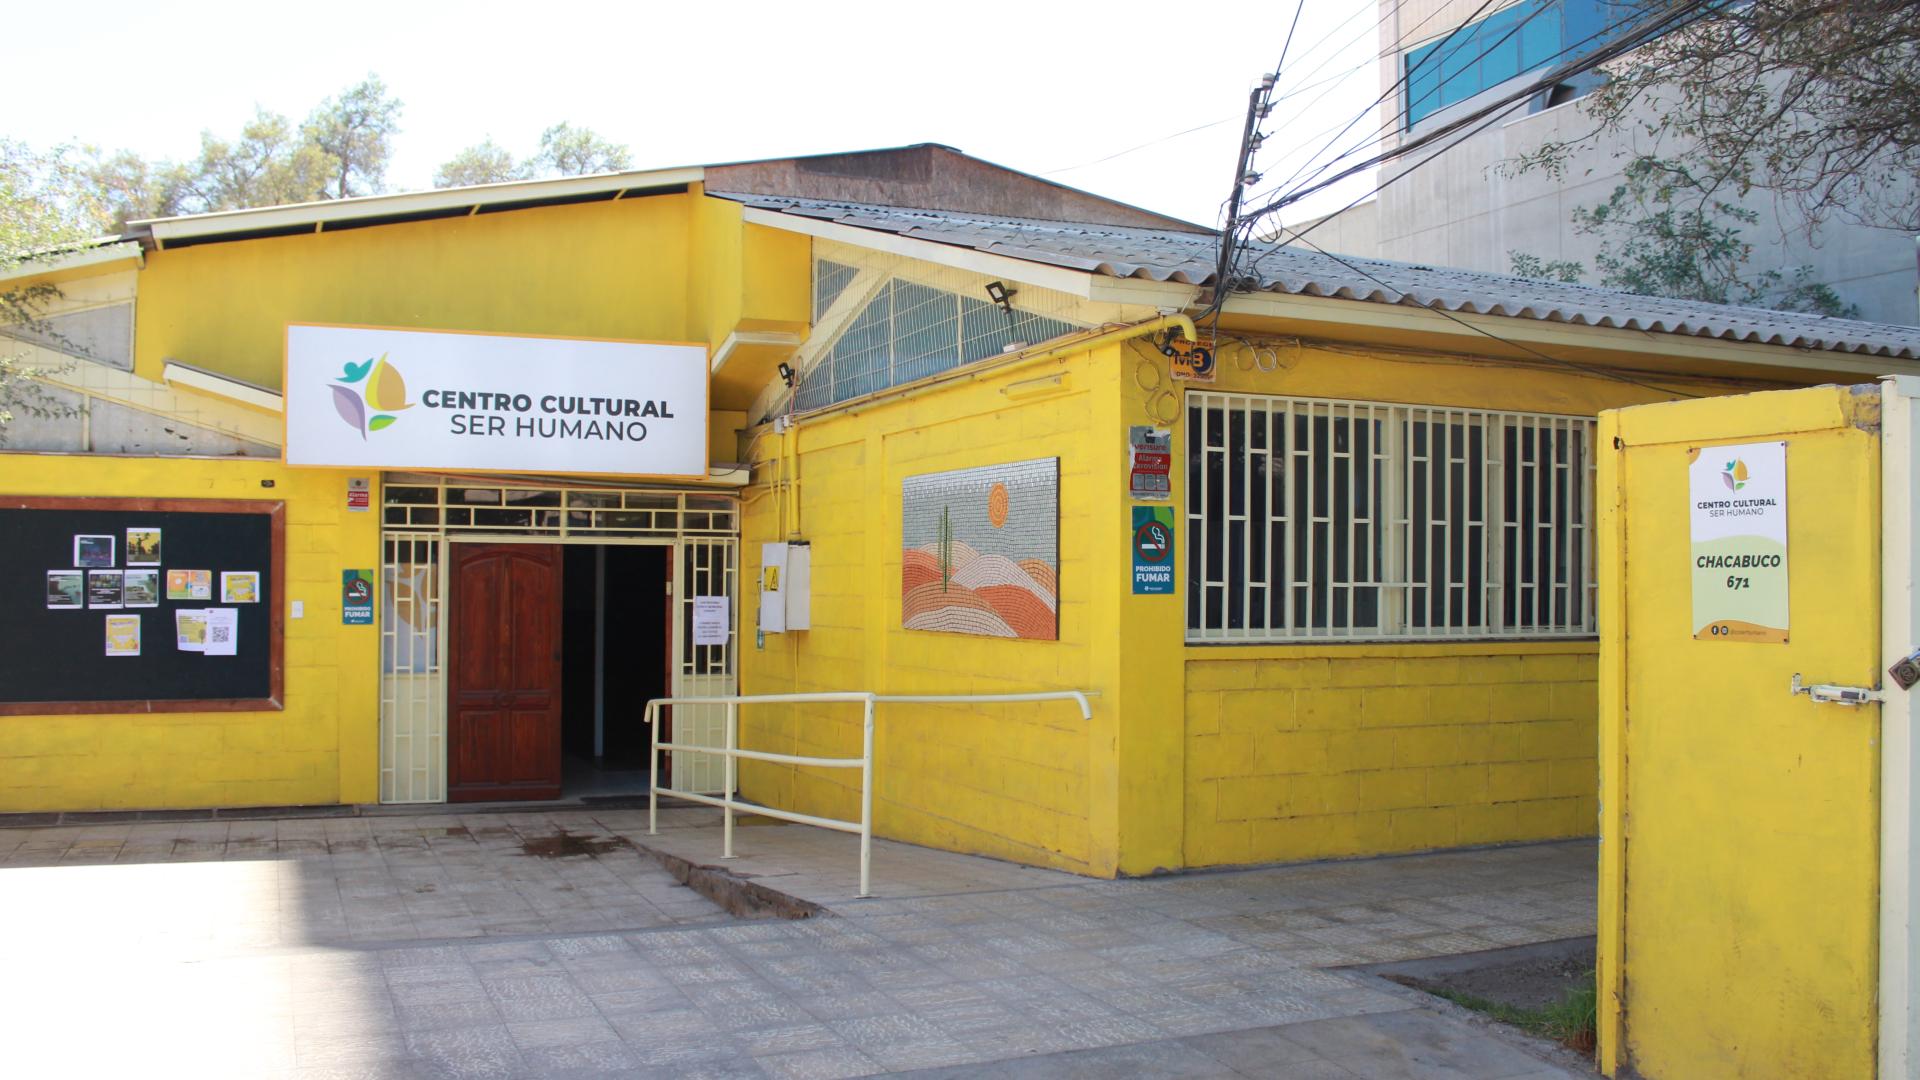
(503, 695)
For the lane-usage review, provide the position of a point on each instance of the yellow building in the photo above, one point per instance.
(1330, 579)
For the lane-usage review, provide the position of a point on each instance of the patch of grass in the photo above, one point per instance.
(1573, 1020)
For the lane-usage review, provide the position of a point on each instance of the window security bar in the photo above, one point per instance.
(732, 752)
(1317, 520)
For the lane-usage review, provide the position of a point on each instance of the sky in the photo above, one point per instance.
(1046, 87)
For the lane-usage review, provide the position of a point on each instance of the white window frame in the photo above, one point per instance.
(1552, 597)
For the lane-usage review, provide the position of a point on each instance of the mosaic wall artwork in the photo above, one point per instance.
(981, 551)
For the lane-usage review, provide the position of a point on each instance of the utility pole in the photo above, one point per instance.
(1259, 107)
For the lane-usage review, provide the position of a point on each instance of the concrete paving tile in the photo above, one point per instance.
(465, 1053)
(435, 1016)
(569, 1031)
(1411, 1043)
(342, 1049)
(541, 997)
(786, 1039)
(1156, 1059)
(404, 1068)
(828, 1064)
(1251, 1050)
(581, 1061)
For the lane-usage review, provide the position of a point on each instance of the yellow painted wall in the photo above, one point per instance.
(1315, 752)
(1309, 751)
(1739, 862)
(660, 268)
(322, 748)
(1017, 781)
(613, 269)
(1196, 755)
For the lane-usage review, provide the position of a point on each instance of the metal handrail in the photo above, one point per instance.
(732, 753)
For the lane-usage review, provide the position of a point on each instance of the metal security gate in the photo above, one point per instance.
(702, 568)
(422, 514)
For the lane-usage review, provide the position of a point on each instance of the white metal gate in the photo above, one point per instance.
(421, 513)
(702, 568)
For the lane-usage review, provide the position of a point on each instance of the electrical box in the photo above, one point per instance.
(786, 586)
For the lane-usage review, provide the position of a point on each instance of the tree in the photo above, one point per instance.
(340, 150)
(1816, 101)
(268, 165)
(355, 129)
(566, 150)
(46, 210)
(1656, 243)
(130, 188)
(482, 163)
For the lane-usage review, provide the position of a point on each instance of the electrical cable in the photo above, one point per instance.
(1554, 76)
(1395, 122)
(1407, 74)
(1569, 364)
(1142, 146)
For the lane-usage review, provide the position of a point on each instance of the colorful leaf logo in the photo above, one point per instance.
(351, 409)
(1734, 475)
(385, 391)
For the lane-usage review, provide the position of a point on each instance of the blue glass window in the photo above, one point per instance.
(1513, 41)
(910, 331)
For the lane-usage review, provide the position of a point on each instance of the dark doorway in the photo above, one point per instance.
(622, 594)
(504, 676)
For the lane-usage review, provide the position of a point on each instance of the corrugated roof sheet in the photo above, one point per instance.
(1188, 258)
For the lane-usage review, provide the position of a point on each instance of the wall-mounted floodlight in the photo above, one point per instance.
(786, 374)
(998, 292)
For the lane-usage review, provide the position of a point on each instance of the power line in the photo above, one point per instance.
(1559, 74)
(1381, 55)
(1394, 122)
(1588, 369)
(1291, 93)
(1408, 73)
(1142, 146)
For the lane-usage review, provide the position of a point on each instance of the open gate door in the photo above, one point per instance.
(1740, 548)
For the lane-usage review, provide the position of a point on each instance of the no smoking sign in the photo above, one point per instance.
(1152, 550)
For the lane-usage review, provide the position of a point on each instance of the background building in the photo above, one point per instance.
(1452, 205)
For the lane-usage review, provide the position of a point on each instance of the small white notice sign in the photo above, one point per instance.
(711, 620)
(1737, 505)
(223, 631)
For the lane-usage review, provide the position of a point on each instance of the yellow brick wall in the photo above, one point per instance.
(323, 747)
(1010, 781)
(1308, 756)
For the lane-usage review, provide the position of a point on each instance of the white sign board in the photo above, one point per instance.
(1737, 500)
(711, 615)
(414, 399)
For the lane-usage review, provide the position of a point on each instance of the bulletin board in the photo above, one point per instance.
(63, 659)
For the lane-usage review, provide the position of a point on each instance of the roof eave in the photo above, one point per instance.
(1487, 331)
(90, 258)
(477, 196)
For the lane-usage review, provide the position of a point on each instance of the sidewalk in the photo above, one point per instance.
(529, 944)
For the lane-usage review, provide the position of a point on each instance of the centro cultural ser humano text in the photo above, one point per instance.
(480, 412)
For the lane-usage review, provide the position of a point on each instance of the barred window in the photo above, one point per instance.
(1349, 520)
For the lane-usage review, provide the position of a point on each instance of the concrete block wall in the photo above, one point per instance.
(322, 747)
(1317, 756)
